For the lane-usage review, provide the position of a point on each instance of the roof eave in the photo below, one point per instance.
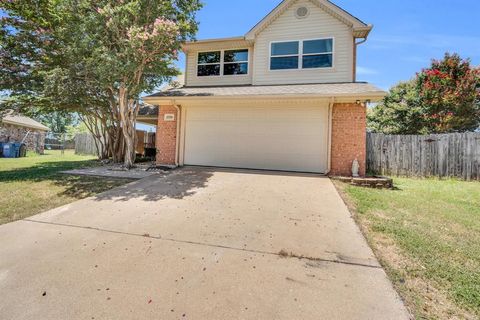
(250, 35)
(329, 7)
(192, 44)
(360, 28)
(373, 96)
(362, 32)
(25, 125)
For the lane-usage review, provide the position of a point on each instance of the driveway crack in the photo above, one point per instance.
(280, 254)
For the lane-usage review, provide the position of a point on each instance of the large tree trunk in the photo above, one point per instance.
(114, 128)
(128, 110)
(94, 126)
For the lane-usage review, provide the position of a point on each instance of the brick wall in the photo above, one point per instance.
(349, 138)
(166, 136)
(35, 140)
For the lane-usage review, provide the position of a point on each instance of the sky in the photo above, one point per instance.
(407, 34)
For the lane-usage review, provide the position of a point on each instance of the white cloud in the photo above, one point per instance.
(435, 41)
(364, 71)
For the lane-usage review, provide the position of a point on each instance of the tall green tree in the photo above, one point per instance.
(131, 48)
(93, 57)
(57, 121)
(443, 98)
(400, 112)
(450, 92)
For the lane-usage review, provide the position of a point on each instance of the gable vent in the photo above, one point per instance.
(302, 12)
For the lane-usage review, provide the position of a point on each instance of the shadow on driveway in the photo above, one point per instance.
(182, 182)
(177, 185)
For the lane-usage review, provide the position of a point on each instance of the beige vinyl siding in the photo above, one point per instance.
(194, 81)
(288, 27)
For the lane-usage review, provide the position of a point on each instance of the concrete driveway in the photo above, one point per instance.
(197, 244)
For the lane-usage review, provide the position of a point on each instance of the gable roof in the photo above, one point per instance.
(360, 28)
(22, 121)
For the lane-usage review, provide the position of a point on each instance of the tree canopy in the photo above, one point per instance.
(443, 98)
(94, 57)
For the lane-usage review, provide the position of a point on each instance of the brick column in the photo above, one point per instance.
(166, 136)
(349, 138)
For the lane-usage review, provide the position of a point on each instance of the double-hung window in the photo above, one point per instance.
(285, 55)
(226, 62)
(306, 54)
(317, 54)
(235, 62)
(209, 63)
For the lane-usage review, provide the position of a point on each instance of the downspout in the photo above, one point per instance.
(177, 136)
(329, 148)
(361, 41)
(356, 44)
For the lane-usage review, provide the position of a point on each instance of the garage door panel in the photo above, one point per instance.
(277, 138)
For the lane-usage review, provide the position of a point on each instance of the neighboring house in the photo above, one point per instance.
(282, 97)
(18, 128)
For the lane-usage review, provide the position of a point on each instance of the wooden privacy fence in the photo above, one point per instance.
(442, 155)
(85, 144)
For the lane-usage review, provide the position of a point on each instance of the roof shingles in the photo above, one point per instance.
(323, 89)
(23, 121)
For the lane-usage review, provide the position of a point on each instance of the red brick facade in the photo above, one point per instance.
(166, 136)
(349, 138)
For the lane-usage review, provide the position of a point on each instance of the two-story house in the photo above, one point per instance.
(282, 97)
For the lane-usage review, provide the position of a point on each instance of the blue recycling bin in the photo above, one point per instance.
(1, 149)
(8, 150)
(16, 147)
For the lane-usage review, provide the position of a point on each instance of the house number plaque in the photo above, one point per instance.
(169, 117)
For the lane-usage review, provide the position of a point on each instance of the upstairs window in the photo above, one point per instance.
(284, 55)
(209, 64)
(307, 54)
(317, 54)
(226, 62)
(235, 62)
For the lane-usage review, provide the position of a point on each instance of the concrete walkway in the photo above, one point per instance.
(196, 244)
(114, 171)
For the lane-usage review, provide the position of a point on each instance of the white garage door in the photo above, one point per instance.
(293, 138)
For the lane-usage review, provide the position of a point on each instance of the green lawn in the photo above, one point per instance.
(33, 184)
(426, 233)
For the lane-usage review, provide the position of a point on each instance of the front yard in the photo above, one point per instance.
(426, 234)
(33, 184)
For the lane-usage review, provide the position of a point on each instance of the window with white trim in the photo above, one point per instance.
(209, 63)
(285, 55)
(306, 54)
(317, 54)
(224, 62)
(235, 62)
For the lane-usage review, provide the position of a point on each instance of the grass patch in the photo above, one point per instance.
(34, 184)
(426, 233)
